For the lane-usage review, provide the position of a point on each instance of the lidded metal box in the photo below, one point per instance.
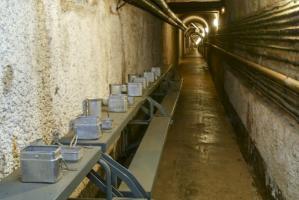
(135, 89)
(150, 76)
(131, 77)
(124, 88)
(107, 124)
(118, 89)
(92, 107)
(157, 71)
(131, 100)
(118, 103)
(71, 154)
(115, 88)
(41, 164)
(142, 80)
(87, 127)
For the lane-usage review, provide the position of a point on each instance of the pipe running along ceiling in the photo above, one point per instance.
(160, 9)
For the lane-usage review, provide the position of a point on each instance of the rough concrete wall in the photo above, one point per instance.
(54, 54)
(274, 132)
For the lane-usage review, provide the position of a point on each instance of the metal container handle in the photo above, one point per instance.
(85, 107)
(74, 141)
(66, 166)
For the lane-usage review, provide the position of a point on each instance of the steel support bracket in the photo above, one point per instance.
(150, 112)
(155, 104)
(114, 171)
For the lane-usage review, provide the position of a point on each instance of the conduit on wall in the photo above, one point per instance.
(277, 87)
(164, 6)
(160, 9)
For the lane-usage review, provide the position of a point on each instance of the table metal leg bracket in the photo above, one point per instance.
(150, 112)
(125, 175)
(114, 170)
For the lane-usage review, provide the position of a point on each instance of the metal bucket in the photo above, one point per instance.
(41, 164)
(92, 107)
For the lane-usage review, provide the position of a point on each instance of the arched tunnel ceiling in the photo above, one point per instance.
(185, 6)
(195, 18)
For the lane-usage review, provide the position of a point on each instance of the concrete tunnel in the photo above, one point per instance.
(218, 120)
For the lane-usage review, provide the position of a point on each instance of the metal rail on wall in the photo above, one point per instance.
(281, 89)
(160, 9)
(164, 6)
(276, 76)
(268, 36)
(265, 34)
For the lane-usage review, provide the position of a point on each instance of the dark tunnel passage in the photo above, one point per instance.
(213, 114)
(250, 50)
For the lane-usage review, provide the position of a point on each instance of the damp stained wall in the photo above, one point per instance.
(274, 133)
(54, 54)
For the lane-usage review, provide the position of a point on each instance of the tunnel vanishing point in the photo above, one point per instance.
(149, 99)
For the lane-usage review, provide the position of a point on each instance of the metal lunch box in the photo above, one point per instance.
(150, 76)
(131, 77)
(142, 80)
(118, 103)
(124, 88)
(157, 71)
(71, 154)
(131, 100)
(135, 89)
(92, 107)
(107, 124)
(87, 127)
(41, 164)
(118, 88)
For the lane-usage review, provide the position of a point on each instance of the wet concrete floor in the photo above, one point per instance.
(201, 159)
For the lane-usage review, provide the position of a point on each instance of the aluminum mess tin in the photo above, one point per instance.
(41, 164)
(142, 80)
(92, 107)
(118, 89)
(150, 76)
(157, 71)
(71, 154)
(131, 100)
(124, 88)
(107, 124)
(87, 127)
(131, 77)
(118, 103)
(135, 89)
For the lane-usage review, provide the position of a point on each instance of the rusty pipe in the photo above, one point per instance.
(150, 7)
(164, 6)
